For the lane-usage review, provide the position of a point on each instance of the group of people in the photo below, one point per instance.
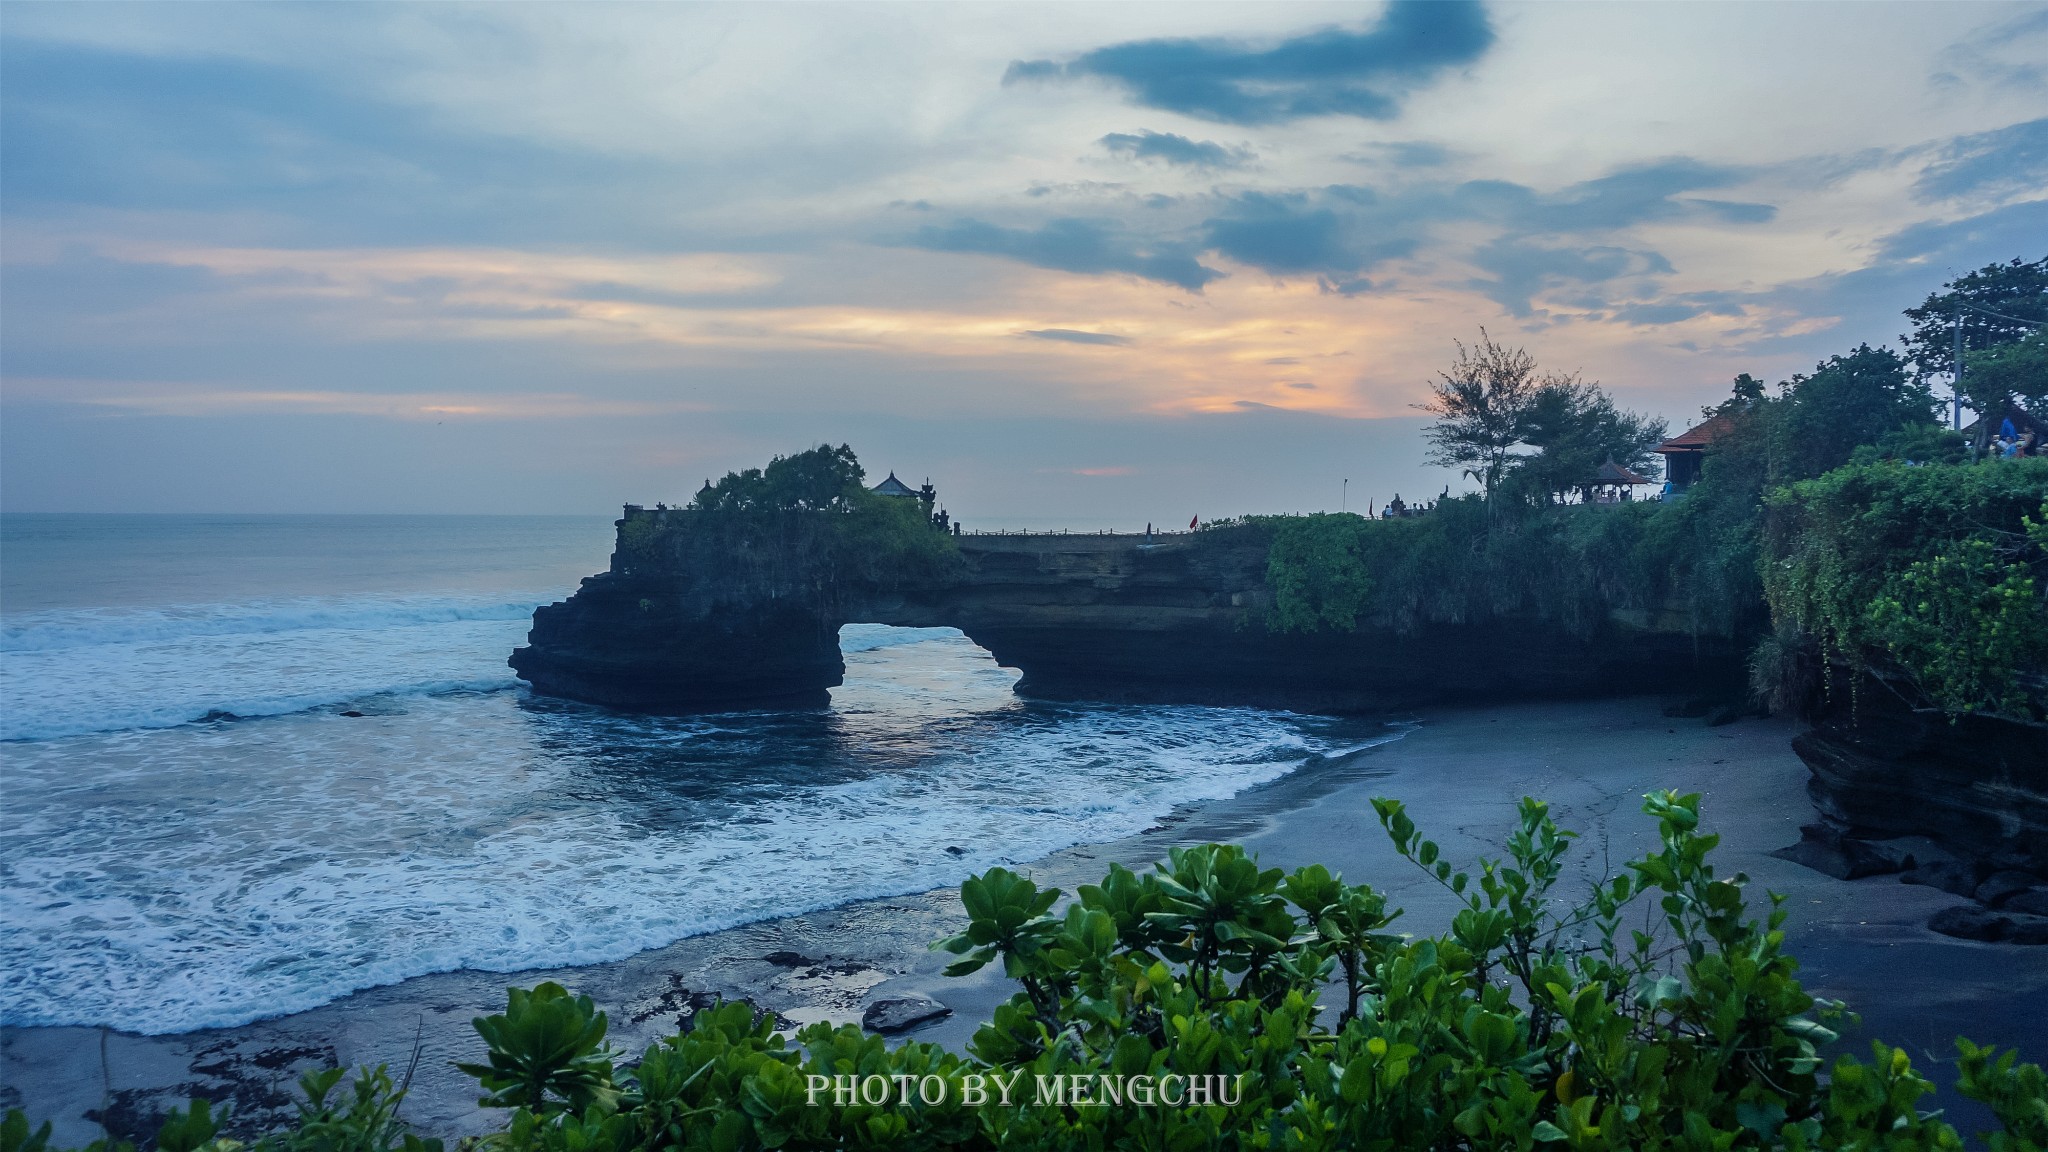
(2012, 444)
(1398, 509)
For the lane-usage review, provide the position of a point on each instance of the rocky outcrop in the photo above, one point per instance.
(1120, 618)
(1881, 768)
(1959, 804)
(626, 642)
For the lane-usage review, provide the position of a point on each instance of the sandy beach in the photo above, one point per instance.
(1460, 771)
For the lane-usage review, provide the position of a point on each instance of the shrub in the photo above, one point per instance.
(1933, 575)
(1315, 567)
(1571, 566)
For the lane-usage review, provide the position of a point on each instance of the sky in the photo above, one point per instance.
(1081, 265)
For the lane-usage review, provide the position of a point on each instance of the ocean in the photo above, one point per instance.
(251, 764)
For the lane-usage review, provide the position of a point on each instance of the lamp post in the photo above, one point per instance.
(1344, 501)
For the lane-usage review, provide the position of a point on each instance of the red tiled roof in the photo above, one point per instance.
(1698, 437)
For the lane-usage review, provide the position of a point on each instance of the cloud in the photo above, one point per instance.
(1343, 231)
(1073, 245)
(1522, 269)
(173, 398)
(86, 126)
(1677, 309)
(2013, 230)
(1331, 231)
(1332, 72)
(2003, 55)
(1179, 150)
(2006, 160)
(1635, 194)
(1403, 154)
(1075, 336)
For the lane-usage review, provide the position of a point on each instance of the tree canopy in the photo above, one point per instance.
(1481, 403)
(1998, 304)
(1996, 377)
(820, 479)
(1575, 428)
(1542, 434)
(1848, 400)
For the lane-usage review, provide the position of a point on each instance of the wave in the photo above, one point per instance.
(25, 724)
(284, 882)
(56, 629)
(869, 637)
(73, 672)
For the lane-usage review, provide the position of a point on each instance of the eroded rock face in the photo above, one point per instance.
(1977, 785)
(1957, 805)
(1116, 618)
(626, 642)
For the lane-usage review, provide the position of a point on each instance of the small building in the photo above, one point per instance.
(894, 487)
(1684, 453)
(1611, 484)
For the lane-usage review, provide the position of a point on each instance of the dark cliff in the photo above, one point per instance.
(1882, 768)
(1958, 803)
(1177, 619)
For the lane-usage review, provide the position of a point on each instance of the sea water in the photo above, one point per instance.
(251, 764)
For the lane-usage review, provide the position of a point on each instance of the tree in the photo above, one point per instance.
(1747, 396)
(1997, 376)
(1575, 428)
(1998, 304)
(1848, 401)
(1481, 405)
(823, 478)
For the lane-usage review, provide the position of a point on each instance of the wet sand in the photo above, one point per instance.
(1460, 771)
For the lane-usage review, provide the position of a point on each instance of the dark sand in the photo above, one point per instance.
(1460, 772)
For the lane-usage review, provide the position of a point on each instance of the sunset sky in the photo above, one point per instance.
(1082, 265)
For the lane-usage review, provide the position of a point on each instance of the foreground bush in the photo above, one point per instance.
(1185, 1009)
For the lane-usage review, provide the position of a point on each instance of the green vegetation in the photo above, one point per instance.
(800, 529)
(1995, 305)
(1996, 377)
(1569, 566)
(364, 1118)
(1492, 403)
(1193, 995)
(1934, 572)
(1317, 570)
(1834, 519)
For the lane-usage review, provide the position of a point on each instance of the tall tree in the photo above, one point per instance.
(1747, 396)
(1997, 304)
(1481, 404)
(1575, 428)
(1848, 401)
(1996, 377)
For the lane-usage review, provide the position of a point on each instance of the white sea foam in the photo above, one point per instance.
(95, 627)
(209, 875)
(74, 671)
(868, 637)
